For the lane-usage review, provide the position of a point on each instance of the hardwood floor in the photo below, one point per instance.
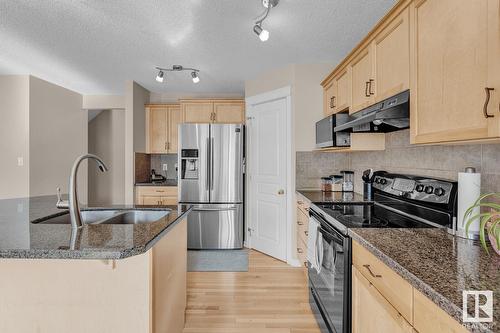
(271, 297)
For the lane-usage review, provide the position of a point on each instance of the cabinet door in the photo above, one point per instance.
(343, 91)
(229, 112)
(169, 200)
(361, 74)
(450, 64)
(392, 58)
(174, 118)
(329, 98)
(158, 130)
(197, 112)
(371, 312)
(151, 200)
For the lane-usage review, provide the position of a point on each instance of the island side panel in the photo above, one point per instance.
(77, 296)
(169, 280)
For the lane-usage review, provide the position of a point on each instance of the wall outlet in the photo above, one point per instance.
(20, 161)
(165, 167)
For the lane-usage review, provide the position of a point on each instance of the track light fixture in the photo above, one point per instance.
(177, 68)
(257, 28)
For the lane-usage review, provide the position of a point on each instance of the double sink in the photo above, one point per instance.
(110, 217)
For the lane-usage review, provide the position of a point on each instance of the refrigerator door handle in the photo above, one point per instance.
(213, 209)
(211, 163)
(209, 154)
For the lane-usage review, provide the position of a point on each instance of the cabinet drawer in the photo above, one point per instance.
(161, 191)
(429, 318)
(392, 286)
(303, 206)
(302, 252)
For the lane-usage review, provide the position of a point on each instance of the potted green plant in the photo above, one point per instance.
(489, 221)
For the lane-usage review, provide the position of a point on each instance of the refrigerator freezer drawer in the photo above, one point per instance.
(212, 227)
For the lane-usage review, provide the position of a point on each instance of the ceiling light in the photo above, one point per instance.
(195, 77)
(262, 33)
(177, 68)
(159, 77)
(257, 28)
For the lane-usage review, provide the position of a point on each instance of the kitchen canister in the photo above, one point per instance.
(469, 190)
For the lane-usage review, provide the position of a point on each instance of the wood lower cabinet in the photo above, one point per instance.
(162, 128)
(142, 293)
(156, 195)
(302, 230)
(371, 312)
(455, 57)
(382, 301)
(213, 111)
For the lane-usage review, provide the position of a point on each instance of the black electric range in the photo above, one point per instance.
(400, 201)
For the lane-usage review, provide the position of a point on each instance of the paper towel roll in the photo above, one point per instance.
(469, 190)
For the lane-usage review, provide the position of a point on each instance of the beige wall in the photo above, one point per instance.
(14, 136)
(58, 135)
(106, 140)
(307, 96)
(103, 102)
(135, 131)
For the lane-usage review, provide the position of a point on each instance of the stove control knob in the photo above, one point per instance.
(383, 181)
(439, 191)
(420, 188)
(429, 189)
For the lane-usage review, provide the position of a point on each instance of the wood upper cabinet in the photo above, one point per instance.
(162, 128)
(362, 80)
(455, 57)
(231, 112)
(391, 51)
(343, 91)
(371, 312)
(213, 111)
(329, 97)
(197, 112)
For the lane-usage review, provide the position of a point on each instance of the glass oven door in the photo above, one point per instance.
(331, 284)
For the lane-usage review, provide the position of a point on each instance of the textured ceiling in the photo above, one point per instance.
(93, 46)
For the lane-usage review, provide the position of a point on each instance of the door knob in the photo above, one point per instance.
(281, 192)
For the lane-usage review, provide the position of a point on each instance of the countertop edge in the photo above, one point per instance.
(91, 254)
(442, 302)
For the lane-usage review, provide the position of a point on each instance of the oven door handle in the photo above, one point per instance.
(319, 250)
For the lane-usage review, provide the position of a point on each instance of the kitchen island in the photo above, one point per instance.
(104, 278)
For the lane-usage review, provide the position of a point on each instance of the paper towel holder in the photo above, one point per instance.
(458, 227)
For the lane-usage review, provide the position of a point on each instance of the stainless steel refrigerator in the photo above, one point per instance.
(211, 168)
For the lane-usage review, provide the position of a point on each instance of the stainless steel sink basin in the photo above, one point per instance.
(136, 217)
(110, 217)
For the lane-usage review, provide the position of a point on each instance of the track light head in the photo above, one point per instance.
(262, 33)
(195, 77)
(159, 76)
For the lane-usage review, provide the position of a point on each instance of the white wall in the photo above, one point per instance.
(14, 136)
(103, 102)
(57, 135)
(135, 131)
(106, 140)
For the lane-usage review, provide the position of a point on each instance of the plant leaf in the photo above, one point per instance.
(482, 225)
(472, 219)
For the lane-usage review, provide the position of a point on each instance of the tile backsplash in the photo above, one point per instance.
(441, 161)
(145, 162)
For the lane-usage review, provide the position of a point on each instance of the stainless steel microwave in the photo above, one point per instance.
(327, 137)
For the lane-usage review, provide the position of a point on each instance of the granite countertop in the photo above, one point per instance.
(439, 265)
(320, 197)
(168, 182)
(21, 237)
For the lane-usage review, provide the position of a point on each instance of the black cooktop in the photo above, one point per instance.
(368, 216)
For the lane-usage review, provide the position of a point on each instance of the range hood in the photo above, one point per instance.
(391, 114)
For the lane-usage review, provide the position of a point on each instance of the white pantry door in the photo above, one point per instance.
(267, 139)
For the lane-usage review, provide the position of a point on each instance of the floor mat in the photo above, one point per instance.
(218, 261)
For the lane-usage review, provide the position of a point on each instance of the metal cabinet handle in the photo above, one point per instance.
(306, 209)
(371, 273)
(486, 102)
(332, 102)
(300, 223)
(306, 232)
(370, 87)
(299, 250)
(300, 202)
(367, 83)
(305, 264)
